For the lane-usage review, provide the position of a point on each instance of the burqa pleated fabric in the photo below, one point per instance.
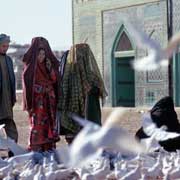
(82, 86)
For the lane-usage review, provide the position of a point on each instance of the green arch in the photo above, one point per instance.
(113, 68)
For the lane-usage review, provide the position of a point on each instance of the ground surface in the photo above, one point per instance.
(131, 120)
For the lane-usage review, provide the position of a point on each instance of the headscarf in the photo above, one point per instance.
(81, 74)
(90, 75)
(30, 64)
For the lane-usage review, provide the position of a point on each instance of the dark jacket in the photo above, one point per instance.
(11, 79)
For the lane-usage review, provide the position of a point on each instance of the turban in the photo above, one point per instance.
(4, 38)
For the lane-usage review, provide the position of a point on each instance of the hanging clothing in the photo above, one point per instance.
(40, 95)
(81, 85)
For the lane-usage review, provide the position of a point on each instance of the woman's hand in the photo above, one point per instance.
(30, 112)
(48, 64)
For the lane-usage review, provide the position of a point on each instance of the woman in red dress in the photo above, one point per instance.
(40, 92)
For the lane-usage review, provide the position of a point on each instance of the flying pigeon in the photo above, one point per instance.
(92, 139)
(157, 55)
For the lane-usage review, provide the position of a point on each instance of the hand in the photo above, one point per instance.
(30, 112)
(48, 64)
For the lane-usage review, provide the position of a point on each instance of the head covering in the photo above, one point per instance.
(90, 74)
(163, 113)
(81, 75)
(4, 38)
(30, 64)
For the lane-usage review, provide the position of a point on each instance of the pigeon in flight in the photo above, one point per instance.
(93, 139)
(157, 56)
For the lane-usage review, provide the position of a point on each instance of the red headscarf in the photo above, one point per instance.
(30, 64)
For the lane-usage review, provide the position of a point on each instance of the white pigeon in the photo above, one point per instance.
(133, 174)
(157, 56)
(9, 177)
(65, 174)
(120, 169)
(151, 129)
(8, 143)
(101, 173)
(155, 171)
(92, 139)
(29, 172)
(18, 159)
(50, 173)
(2, 145)
(5, 170)
(151, 144)
(88, 177)
(40, 174)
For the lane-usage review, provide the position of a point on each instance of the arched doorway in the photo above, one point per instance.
(123, 76)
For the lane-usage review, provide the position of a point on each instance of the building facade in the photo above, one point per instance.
(101, 23)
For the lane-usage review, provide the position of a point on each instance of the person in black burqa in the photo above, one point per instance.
(163, 113)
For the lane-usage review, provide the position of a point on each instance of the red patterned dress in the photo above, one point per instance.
(43, 133)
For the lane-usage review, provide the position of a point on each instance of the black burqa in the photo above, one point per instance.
(163, 113)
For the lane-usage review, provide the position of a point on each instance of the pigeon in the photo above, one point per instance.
(102, 172)
(18, 159)
(40, 174)
(9, 177)
(151, 144)
(8, 143)
(157, 56)
(156, 170)
(133, 174)
(2, 126)
(92, 139)
(151, 129)
(5, 170)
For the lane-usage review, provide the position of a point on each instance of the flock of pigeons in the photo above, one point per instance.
(97, 153)
(107, 152)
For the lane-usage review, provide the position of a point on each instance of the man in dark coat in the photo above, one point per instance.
(7, 89)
